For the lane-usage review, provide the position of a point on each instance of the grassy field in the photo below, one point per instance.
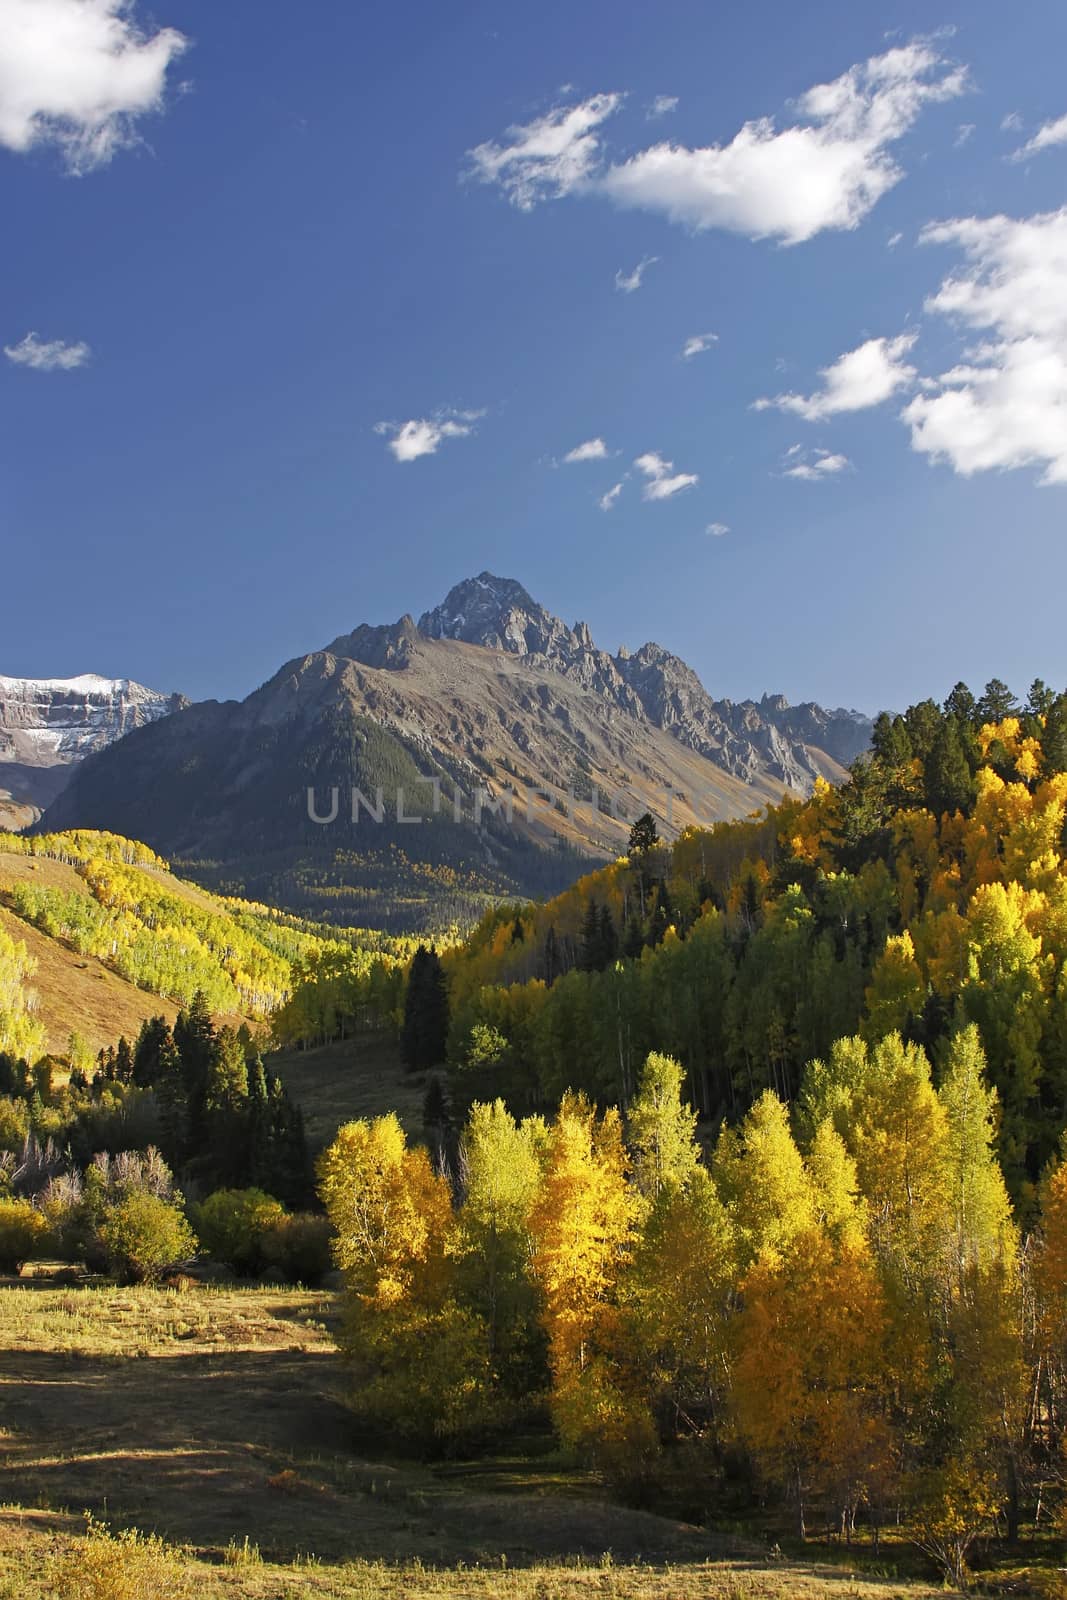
(215, 1419)
(361, 1077)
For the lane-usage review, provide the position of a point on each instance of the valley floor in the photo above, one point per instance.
(215, 1418)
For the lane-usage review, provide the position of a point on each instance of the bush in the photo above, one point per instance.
(234, 1226)
(299, 1248)
(23, 1234)
(123, 1566)
(143, 1235)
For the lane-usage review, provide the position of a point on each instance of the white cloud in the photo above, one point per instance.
(421, 436)
(1047, 137)
(591, 450)
(964, 133)
(661, 106)
(893, 240)
(813, 466)
(697, 344)
(663, 481)
(77, 74)
(608, 500)
(51, 356)
(547, 158)
(629, 281)
(1012, 123)
(826, 171)
(717, 529)
(1005, 404)
(859, 379)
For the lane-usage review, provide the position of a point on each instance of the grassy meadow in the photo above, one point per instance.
(214, 1418)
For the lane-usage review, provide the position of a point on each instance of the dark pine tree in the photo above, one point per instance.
(962, 705)
(949, 781)
(1054, 738)
(153, 1041)
(550, 959)
(425, 1027)
(194, 1036)
(124, 1061)
(997, 702)
(589, 939)
(609, 939)
(891, 741)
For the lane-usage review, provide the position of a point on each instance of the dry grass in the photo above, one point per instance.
(363, 1077)
(214, 1418)
(41, 1561)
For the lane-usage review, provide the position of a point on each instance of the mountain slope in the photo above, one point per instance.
(49, 724)
(487, 696)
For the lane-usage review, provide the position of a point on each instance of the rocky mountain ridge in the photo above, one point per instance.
(748, 738)
(500, 751)
(49, 724)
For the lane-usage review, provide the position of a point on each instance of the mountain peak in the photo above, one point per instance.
(497, 613)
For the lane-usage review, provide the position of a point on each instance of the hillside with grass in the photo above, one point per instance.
(112, 937)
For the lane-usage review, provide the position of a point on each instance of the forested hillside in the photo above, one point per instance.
(927, 893)
(842, 1291)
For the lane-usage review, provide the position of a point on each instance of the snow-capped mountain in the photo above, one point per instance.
(49, 724)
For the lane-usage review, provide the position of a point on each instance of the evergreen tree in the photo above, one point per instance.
(997, 702)
(644, 835)
(1054, 738)
(153, 1042)
(609, 939)
(962, 705)
(890, 740)
(258, 1128)
(425, 1028)
(589, 944)
(123, 1061)
(949, 784)
(923, 723)
(550, 962)
(194, 1036)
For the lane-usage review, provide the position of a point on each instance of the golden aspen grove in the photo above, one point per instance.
(768, 1123)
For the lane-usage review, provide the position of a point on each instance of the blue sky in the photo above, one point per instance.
(264, 271)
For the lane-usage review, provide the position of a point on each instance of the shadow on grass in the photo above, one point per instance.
(206, 1448)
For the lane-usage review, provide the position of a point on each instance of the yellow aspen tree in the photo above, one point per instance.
(582, 1223)
(806, 1379)
(583, 1231)
(896, 993)
(390, 1211)
(660, 1129)
(839, 1207)
(983, 1231)
(762, 1178)
(501, 1165)
(417, 1357)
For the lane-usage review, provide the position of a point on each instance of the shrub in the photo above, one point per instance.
(299, 1248)
(143, 1235)
(23, 1234)
(123, 1566)
(234, 1226)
